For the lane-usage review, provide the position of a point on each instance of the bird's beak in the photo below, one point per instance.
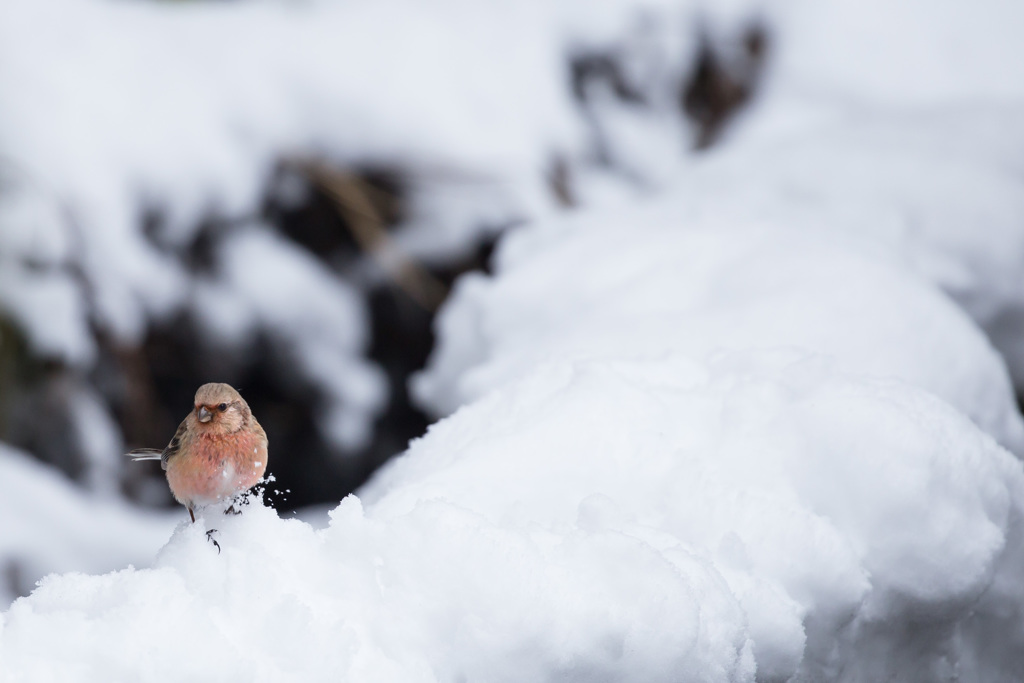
(204, 414)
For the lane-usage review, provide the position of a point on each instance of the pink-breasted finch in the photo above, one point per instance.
(219, 450)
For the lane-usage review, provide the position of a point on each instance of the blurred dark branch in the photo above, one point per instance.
(719, 87)
(353, 198)
(8, 364)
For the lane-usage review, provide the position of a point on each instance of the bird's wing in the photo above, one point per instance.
(175, 445)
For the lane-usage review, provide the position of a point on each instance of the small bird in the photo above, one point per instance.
(219, 450)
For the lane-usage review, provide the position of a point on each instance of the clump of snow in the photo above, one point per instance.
(99, 438)
(654, 519)
(64, 333)
(35, 250)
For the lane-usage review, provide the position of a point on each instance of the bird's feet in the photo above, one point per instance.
(209, 537)
(232, 511)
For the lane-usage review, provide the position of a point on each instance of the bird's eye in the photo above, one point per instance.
(222, 407)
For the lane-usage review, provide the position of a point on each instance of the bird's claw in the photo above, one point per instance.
(232, 511)
(209, 537)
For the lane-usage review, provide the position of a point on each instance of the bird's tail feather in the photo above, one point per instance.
(144, 454)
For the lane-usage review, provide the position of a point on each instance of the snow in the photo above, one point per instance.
(349, 618)
(914, 54)
(811, 491)
(940, 191)
(649, 519)
(99, 436)
(50, 525)
(645, 281)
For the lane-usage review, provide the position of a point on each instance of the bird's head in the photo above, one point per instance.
(220, 409)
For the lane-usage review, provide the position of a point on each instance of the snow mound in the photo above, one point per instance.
(616, 520)
(844, 512)
(655, 280)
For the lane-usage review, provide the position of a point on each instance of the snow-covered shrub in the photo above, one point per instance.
(139, 143)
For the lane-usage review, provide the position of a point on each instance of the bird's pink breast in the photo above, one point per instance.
(216, 467)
